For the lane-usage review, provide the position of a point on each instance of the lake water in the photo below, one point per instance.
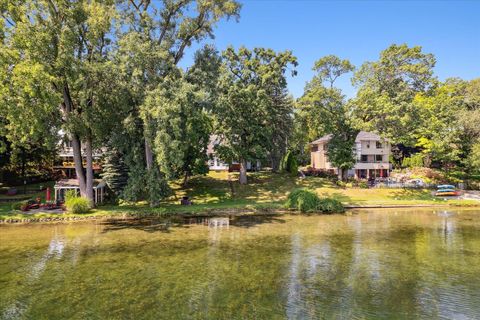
(388, 264)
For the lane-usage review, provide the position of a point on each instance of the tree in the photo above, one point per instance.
(279, 113)
(182, 128)
(151, 44)
(330, 111)
(468, 120)
(386, 89)
(330, 68)
(247, 108)
(58, 57)
(115, 172)
(438, 134)
(289, 163)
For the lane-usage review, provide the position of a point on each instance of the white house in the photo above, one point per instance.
(217, 164)
(372, 155)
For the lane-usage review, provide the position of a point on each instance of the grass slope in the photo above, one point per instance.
(219, 191)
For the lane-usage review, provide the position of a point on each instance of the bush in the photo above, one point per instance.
(341, 184)
(21, 205)
(329, 205)
(76, 204)
(303, 200)
(414, 161)
(289, 163)
(307, 201)
(311, 172)
(363, 184)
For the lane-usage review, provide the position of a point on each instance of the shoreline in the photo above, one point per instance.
(238, 212)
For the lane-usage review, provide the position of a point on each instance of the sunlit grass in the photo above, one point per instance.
(220, 192)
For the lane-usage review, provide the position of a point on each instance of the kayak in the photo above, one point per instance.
(445, 186)
(447, 193)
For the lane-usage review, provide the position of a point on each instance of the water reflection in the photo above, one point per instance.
(18, 304)
(375, 264)
(214, 222)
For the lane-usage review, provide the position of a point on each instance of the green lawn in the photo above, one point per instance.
(220, 191)
(266, 187)
(5, 207)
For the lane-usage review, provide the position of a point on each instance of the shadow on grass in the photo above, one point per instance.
(274, 186)
(262, 187)
(206, 188)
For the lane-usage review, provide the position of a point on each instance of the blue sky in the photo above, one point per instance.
(358, 31)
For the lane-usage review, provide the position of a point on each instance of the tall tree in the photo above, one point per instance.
(250, 87)
(439, 134)
(151, 44)
(386, 89)
(279, 113)
(326, 104)
(323, 101)
(182, 128)
(58, 56)
(468, 120)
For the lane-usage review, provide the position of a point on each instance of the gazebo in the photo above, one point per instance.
(72, 184)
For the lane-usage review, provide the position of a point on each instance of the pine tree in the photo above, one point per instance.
(115, 172)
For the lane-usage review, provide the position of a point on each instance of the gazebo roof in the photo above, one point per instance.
(73, 183)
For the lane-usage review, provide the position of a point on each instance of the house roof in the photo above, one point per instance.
(369, 136)
(361, 136)
(323, 139)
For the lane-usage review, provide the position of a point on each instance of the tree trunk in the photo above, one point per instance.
(23, 172)
(76, 144)
(89, 169)
(243, 172)
(342, 174)
(77, 159)
(148, 155)
(185, 179)
(275, 161)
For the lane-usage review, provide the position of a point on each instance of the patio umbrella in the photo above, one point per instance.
(47, 197)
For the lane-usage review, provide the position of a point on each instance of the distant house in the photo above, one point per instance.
(64, 164)
(371, 151)
(214, 162)
(217, 164)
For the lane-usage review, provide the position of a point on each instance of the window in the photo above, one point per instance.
(314, 148)
(378, 157)
(325, 147)
(379, 145)
(368, 144)
(364, 158)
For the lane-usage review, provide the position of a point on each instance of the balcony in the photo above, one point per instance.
(372, 165)
(371, 161)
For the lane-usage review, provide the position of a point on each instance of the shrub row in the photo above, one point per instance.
(310, 172)
(307, 201)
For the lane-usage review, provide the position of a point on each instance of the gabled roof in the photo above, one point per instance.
(362, 136)
(323, 139)
(370, 136)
